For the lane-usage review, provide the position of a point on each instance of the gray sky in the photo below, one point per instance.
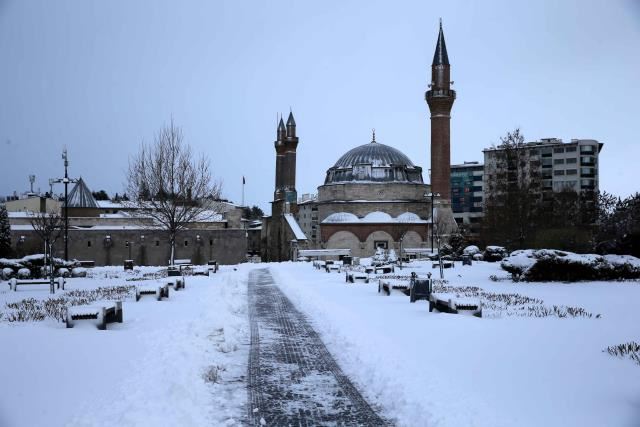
(101, 76)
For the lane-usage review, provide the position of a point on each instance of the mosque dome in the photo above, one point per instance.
(374, 162)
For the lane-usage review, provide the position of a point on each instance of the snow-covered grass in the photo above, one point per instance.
(504, 370)
(182, 361)
(175, 362)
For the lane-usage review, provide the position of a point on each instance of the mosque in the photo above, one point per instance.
(373, 196)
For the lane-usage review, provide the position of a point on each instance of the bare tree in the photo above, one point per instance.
(512, 193)
(49, 227)
(167, 183)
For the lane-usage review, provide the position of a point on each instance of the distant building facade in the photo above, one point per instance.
(467, 195)
(560, 166)
(109, 232)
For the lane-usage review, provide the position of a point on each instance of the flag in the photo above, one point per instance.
(243, 181)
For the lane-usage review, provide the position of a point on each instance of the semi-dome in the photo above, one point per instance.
(339, 217)
(374, 162)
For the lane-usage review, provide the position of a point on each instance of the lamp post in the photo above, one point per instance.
(432, 196)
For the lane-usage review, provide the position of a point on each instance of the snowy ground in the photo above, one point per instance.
(421, 368)
(451, 370)
(148, 370)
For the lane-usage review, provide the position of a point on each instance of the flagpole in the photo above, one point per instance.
(243, 191)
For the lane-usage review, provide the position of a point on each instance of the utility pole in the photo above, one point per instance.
(66, 180)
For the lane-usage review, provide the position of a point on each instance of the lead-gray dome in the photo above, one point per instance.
(375, 154)
(374, 162)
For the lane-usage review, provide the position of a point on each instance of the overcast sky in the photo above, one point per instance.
(102, 76)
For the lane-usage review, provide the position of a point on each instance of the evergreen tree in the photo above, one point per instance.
(5, 233)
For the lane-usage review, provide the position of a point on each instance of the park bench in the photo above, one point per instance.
(389, 283)
(333, 267)
(319, 264)
(13, 283)
(384, 269)
(212, 266)
(420, 287)
(449, 303)
(200, 270)
(176, 279)
(158, 291)
(102, 311)
(353, 276)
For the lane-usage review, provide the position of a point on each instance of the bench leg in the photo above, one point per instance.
(102, 320)
(69, 321)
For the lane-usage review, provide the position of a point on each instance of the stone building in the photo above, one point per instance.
(108, 233)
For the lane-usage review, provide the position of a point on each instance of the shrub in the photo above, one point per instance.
(553, 265)
(494, 253)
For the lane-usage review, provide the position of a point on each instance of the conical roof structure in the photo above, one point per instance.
(80, 196)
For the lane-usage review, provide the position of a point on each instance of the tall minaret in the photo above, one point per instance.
(440, 99)
(280, 161)
(286, 144)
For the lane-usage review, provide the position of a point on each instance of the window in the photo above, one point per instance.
(572, 171)
(546, 163)
(572, 160)
(210, 242)
(558, 161)
(586, 149)
(546, 152)
(381, 244)
(571, 149)
(558, 150)
(157, 242)
(89, 243)
(186, 242)
(558, 172)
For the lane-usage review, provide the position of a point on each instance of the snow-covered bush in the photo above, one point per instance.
(64, 272)
(7, 273)
(478, 257)
(471, 250)
(554, 265)
(494, 253)
(445, 249)
(79, 272)
(24, 273)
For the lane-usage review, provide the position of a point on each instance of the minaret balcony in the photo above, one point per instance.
(441, 93)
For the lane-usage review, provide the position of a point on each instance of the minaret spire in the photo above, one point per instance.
(440, 57)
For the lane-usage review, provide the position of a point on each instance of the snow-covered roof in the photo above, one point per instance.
(108, 204)
(323, 252)
(341, 217)
(295, 227)
(374, 217)
(377, 216)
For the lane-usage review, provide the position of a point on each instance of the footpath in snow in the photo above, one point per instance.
(293, 380)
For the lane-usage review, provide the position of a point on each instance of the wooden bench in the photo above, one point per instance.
(13, 283)
(158, 291)
(102, 311)
(319, 265)
(383, 269)
(176, 279)
(353, 276)
(448, 303)
(212, 266)
(387, 285)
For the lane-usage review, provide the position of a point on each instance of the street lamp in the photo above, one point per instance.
(432, 196)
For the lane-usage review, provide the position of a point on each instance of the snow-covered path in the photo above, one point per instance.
(293, 379)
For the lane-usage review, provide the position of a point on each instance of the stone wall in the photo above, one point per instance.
(146, 247)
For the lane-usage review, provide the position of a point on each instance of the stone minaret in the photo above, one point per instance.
(440, 99)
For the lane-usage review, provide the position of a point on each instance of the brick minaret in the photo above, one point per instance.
(285, 196)
(440, 98)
